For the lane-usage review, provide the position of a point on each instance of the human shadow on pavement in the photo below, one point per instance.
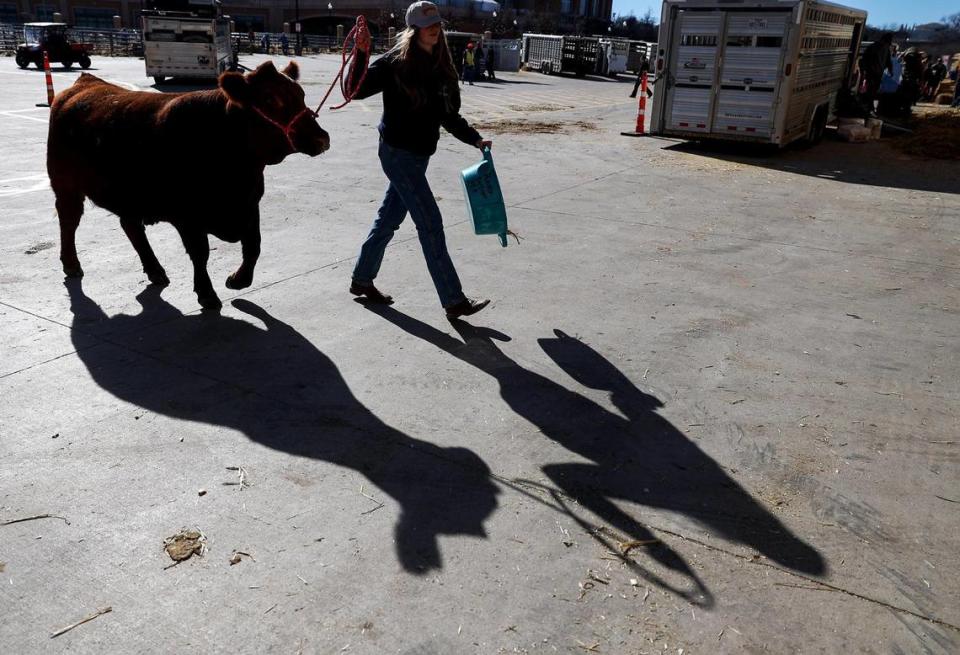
(274, 386)
(872, 164)
(638, 457)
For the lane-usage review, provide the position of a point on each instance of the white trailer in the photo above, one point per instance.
(551, 53)
(766, 71)
(613, 56)
(184, 45)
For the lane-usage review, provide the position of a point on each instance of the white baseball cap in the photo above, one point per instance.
(423, 14)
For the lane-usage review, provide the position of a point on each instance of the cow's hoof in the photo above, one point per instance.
(158, 277)
(210, 302)
(73, 271)
(235, 281)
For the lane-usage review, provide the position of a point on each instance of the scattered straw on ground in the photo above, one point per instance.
(936, 134)
(533, 108)
(510, 126)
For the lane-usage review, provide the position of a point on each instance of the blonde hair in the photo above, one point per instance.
(401, 52)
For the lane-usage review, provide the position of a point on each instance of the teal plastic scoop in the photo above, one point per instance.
(484, 199)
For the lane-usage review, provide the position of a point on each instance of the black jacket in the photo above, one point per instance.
(406, 124)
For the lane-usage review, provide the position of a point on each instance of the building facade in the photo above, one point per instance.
(322, 16)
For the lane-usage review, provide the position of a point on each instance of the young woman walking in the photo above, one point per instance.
(420, 93)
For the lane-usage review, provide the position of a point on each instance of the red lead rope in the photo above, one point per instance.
(360, 29)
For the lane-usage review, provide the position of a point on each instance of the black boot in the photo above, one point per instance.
(371, 293)
(466, 307)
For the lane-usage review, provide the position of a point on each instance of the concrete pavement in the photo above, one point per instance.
(713, 406)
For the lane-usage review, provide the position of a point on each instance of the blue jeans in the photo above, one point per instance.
(409, 191)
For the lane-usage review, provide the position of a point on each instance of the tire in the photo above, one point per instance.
(158, 79)
(22, 60)
(818, 126)
(66, 63)
(84, 61)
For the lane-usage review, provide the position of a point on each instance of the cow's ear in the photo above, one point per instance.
(292, 71)
(266, 67)
(236, 87)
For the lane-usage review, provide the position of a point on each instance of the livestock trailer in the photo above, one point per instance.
(186, 39)
(551, 53)
(639, 50)
(613, 56)
(766, 71)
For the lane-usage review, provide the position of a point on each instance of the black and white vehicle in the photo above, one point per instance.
(551, 53)
(186, 39)
(766, 71)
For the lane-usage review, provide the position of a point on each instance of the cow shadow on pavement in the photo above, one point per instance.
(635, 456)
(271, 384)
(875, 163)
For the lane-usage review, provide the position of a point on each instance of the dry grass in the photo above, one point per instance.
(936, 134)
(511, 126)
(536, 108)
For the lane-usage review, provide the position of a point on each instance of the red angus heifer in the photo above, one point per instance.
(194, 160)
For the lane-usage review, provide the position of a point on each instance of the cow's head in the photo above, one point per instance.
(278, 100)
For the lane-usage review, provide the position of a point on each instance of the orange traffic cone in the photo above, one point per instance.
(641, 110)
(46, 70)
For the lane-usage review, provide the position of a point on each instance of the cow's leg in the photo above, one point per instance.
(69, 210)
(250, 242)
(198, 247)
(138, 238)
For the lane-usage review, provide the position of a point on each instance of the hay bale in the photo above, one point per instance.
(936, 135)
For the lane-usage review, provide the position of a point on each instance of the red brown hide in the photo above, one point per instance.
(195, 160)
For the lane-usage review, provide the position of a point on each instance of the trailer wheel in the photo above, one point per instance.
(84, 61)
(158, 79)
(818, 125)
(22, 60)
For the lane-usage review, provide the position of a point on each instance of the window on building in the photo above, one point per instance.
(247, 22)
(43, 13)
(8, 12)
(93, 17)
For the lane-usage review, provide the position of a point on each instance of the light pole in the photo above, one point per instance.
(296, 26)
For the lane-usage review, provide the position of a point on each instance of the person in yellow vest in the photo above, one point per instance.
(469, 64)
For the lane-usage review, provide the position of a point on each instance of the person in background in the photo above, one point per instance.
(469, 64)
(490, 64)
(284, 43)
(644, 67)
(874, 60)
(265, 42)
(935, 75)
(955, 75)
(421, 93)
(478, 61)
